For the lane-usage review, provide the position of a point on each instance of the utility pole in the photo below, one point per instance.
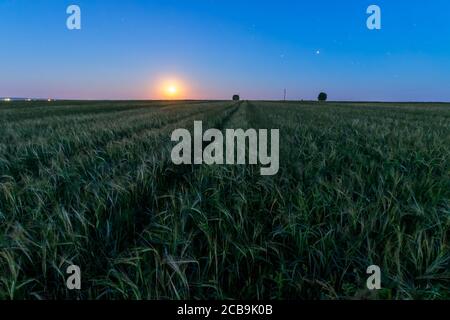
(284, 94)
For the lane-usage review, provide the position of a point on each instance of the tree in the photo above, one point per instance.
(236, 97)
(322, 96)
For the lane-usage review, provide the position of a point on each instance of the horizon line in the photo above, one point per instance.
(18, 99)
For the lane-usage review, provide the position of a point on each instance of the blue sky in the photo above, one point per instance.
(126, 49)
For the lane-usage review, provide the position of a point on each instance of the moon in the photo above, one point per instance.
(172, 90)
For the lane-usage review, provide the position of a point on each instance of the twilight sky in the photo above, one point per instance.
(213, 49)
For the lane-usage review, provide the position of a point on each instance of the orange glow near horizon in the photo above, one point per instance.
(171, 90)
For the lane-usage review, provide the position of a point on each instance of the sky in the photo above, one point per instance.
(211, 49)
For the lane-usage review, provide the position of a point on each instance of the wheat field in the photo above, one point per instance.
(92, 184)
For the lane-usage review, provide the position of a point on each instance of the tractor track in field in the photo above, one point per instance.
(101, 119)
(151, 198)
(99, 143)
(164, 177)
(182, 174)
(61, 112)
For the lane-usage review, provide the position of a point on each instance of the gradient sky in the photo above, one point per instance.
(217, 48)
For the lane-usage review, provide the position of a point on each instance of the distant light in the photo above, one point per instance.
(28, 99)
(49, 100)
(7, 99)
(172, 90)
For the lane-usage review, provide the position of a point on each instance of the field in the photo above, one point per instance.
(92, 184)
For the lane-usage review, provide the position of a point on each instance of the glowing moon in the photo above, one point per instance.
(171, 90)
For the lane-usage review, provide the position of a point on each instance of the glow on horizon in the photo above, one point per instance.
(171, 89)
